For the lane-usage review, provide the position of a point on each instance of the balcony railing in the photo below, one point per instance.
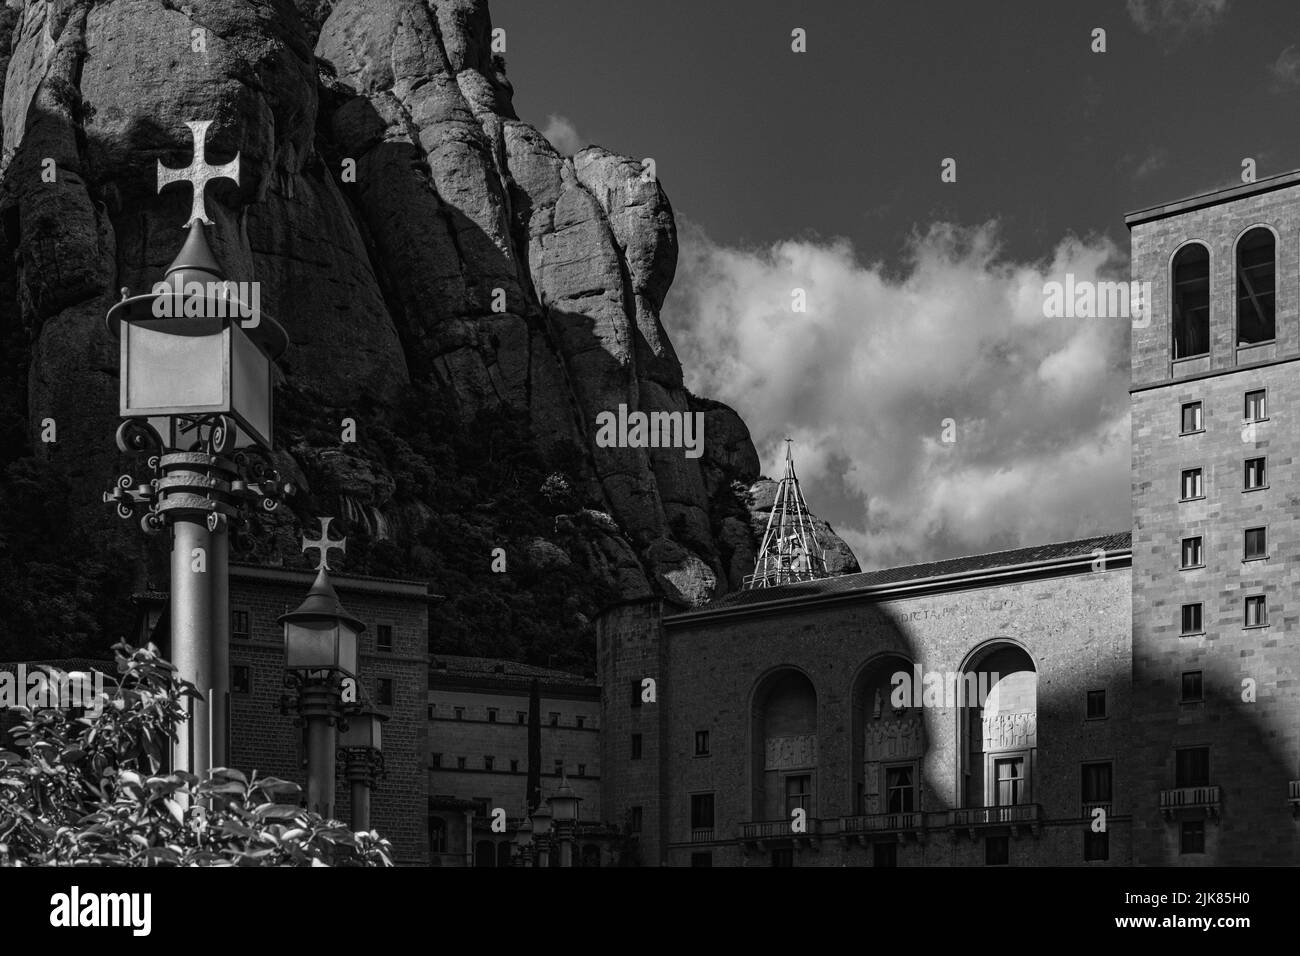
(778, 830)
(1293, 796)
(883, 822)
(1189, 798)
(995, 816)
(1103, 805)
(701, 834)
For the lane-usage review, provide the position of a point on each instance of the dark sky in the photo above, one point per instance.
(821, 171)
(756, 143)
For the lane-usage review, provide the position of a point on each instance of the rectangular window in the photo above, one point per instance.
(432, 711)
(521, 716)
(634, 819)
(559, 768)
(492, 715)
(386, 691)
(555, 719)
(1256, 543)
(514, 766)
(1193, 687)
(1096, 704)
(783, 857)
(384, 638)
(701, 859)
(1009, 777)
(1256, 611)
(241, 679)
(1193, 556)
(1097, 778)
(1191, 837)
(900, 789)
(1096, 846)
(1192, 767)
(798, 793)
(636, 692)
(1255, 476)
(701, 743)
(460, 763)
(582, 770)
(1192, 619)
(701, 811)
(459, 712)
(435, 761)
(884, 854)
(1192, 421)
(636, 746)
(1193, 484)
(241, 628)
(580, 721)
(1256, 406)
(489, 763)
(997, 851)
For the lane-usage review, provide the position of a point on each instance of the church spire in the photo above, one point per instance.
(790, 550)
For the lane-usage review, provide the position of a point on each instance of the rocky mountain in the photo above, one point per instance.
(469, 296)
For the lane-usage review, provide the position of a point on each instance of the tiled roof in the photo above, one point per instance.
(970, 564)
(498, 669)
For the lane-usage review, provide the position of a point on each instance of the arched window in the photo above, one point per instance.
(784, 746)
(1191, 305)
(1256, 282)
(888, 738)
(485, 854)
(437, 835)
(1001, 728)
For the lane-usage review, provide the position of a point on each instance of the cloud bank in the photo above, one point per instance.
(866, 378)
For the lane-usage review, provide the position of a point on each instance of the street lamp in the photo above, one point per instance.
(320, 652)
(195, 386)
(542, 835)
(363, 752)
(564, 807)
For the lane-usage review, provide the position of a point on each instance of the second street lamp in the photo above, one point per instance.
(361, 745)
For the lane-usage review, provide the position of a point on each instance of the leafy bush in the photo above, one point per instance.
(88, 792)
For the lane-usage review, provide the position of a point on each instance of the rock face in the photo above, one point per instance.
(406, 227)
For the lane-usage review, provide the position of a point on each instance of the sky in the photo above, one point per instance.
(923, 321)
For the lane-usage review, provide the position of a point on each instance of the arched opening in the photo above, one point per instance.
(888, 739)
(485, 853)
(503, 853)
(590, 855)
(1000, 728)
(1191, 301)
(1256, 287)
(784, 741)
(437, 836)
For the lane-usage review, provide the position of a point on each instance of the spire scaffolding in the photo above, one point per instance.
(790, 550)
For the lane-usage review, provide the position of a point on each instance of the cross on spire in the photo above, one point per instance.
(323, 544)
(198, 174)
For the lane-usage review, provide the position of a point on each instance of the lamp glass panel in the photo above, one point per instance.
(250, 385)
(311, 647)
(173, 364)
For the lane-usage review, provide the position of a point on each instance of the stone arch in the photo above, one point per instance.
(783, 744)
(997, 731)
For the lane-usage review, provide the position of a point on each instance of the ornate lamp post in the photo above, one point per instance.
(564, 808)
(320, 650)
(542, 835)
(196, 379)
(362, 750)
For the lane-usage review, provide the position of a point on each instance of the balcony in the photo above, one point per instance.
(1019, 817)
(859, 828)
(1190, 798)
(761, 833)
(701, 834)
(1104, 806)
(1293, 797)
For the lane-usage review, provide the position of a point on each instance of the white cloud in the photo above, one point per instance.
(1286, 69)
(865, 378)
(1175, 16)
(563, 135)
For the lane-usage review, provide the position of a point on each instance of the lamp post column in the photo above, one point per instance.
(219, 697)
(318, 710)
(191, 624)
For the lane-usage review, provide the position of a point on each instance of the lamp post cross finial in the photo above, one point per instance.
(198, 174)
(323, 544)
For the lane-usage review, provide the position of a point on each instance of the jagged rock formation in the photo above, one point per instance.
(466, 260)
